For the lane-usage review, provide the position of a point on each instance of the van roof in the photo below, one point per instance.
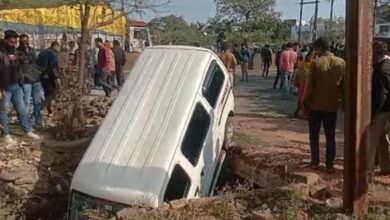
(191, 48)
(130, 156)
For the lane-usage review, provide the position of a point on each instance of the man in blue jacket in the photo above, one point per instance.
(48, 63)
(32, 86)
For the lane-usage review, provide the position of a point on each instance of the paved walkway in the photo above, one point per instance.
(258, 100)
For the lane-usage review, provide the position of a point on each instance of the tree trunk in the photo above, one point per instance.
(85, 10)
(127, 36)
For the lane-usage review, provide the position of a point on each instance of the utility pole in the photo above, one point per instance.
(331, 15)
(359, 35)
(300, 23)
(300, 17)
(315, 20)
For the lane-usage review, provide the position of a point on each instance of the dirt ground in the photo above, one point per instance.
(35, 178)
(270, 137)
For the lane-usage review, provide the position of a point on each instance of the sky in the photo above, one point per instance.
(201, 10)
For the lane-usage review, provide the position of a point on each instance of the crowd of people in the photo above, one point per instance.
(30, 81)
(317, 71)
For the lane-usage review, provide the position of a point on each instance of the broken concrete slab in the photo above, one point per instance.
(299, 189)
(320, 192)
(304, 177)
(262, 177)
(20, 174)
(8, 176)
(241, 204)
(261, 215)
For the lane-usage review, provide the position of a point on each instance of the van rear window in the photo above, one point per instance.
(196, 134)
(178, 185)
(213, 84)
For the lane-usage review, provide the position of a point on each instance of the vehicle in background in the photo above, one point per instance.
(165, 137)
(57, 23)
(139, 36)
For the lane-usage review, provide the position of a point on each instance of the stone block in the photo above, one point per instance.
(261, 215)
(304, 177)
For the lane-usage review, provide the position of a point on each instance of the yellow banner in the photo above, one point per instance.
(65, 16)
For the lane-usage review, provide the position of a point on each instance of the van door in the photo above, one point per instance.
(214, 96)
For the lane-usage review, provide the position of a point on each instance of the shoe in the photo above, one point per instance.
(108, 93)
(33, 136)
(314, 166)
(9, 140)
(39, 126)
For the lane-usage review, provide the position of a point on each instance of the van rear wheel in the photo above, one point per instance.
(229, 132)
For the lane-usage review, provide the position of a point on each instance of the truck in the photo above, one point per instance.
(62, 23)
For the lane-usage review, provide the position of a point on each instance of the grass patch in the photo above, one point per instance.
(10, 209)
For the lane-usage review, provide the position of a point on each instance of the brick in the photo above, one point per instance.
(178, 204)
(241, 204)
(261, 215)
(304, 177)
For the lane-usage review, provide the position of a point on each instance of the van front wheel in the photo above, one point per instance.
(229, 132)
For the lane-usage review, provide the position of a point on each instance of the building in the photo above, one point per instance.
(323, 29)
(382, 30)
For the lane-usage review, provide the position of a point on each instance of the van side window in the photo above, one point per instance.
(178, 185)
(196, 134)
(213, 84)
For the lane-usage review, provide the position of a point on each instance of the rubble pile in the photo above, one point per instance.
(72, 118)
(96, 109)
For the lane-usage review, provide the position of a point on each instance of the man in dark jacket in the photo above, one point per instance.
(380, 126)
(31, 78)
(277, 63)
(120, 61)
(48, 63)
(266, 54)
(10, 87)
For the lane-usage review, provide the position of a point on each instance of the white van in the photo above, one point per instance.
(164, 137)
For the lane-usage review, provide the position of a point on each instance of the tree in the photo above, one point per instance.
(245, 10)
(255, 19)
(174, 29)
(337, 33)
(91, 18)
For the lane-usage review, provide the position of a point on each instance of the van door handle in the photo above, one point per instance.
(202, 173)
